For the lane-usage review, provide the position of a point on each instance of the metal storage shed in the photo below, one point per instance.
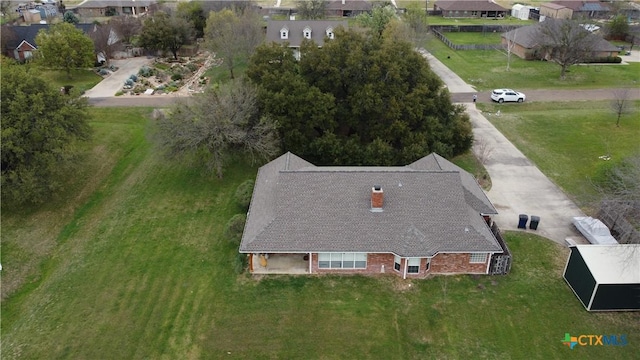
(605, 277)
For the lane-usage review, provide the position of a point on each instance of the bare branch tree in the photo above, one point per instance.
(566, 42)
(213, 126)
(232, 34)
(619, 205)
(105, 40)
(621, 104)
(126, 27)
(482, 150)
(511, 43)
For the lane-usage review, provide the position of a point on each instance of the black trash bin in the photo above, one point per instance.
(535, 220)
(522, 224)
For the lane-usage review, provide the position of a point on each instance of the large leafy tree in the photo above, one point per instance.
(213, 127)
(233, 35)
(311, 9)
(40, 131)
(193, 12)
(378, 18)
(166, 32)
(618, 27)
(358, 100)
(63, 46)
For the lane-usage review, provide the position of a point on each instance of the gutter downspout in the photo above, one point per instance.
(310, 262)
(404, 275)
(489, 263)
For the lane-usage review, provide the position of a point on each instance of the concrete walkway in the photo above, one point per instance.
(114, 82)
(518, 186)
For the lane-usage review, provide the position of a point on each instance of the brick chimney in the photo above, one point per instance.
(377, 198)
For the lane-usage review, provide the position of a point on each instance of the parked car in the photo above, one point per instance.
(502, 95)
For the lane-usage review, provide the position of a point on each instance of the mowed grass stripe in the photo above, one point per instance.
(138, 254)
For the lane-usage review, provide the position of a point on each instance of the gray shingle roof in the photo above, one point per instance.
(100, 4)
(296, 28)
(297, 207)
(528, 37)
(471, 5)
(29, 33)
(358, 5)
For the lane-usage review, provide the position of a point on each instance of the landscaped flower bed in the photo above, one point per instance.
(167, 76)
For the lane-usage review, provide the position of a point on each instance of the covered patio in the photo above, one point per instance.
(279, 263)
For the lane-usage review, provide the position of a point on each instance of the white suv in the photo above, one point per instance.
(502, 95)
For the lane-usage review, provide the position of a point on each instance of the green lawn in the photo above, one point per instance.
(468, 38)
(131, 265)
(81, 79)
(565, 139)
(487, 70)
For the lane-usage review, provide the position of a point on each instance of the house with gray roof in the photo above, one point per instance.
(21, 44)
(294, 32)
(470, 9)
(100, 8)
(526, 43)
(429, 217)
(347, 8)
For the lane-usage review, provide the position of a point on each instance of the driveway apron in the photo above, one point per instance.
(114, 82)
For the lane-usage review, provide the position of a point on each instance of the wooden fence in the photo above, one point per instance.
(453, 46)
(500, 263)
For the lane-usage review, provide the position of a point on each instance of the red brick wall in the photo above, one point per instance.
(440, 264)
(456, 264)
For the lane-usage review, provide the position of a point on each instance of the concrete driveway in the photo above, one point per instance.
(518, 186)
(114, 82)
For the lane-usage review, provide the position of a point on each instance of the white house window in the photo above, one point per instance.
(413, 265)
(330, 33)
(307, 33)
(28, 54)
(478, 258)
(284, 33)
(396, 262)
(342, 260)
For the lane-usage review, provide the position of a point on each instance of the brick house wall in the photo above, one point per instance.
(457, 263)
(19, 52)
(378, 263)
(519, 50)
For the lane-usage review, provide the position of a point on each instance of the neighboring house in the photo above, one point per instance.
(293, 32)
(22, 44)
(100, 8)
(526, 44)
(585, 9)
(470, 9)
(429, 217)
(347, 8)
(555, 11)
(605, 277)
